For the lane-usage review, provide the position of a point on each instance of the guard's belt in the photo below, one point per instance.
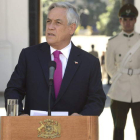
(130, 71)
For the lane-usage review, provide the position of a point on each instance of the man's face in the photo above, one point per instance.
(127, 24)
(58, 32)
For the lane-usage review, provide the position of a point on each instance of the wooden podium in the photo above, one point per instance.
(64, 128)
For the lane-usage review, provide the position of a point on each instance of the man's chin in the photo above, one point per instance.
(51, 43)
(129, 30)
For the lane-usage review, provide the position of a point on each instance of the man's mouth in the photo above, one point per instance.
(50, 34)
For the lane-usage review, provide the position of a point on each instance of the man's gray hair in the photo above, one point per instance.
(72, 14)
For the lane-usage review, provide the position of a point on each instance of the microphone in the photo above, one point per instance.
(52, 67)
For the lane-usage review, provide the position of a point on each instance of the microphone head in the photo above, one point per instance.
(52, 67)
(52, 64)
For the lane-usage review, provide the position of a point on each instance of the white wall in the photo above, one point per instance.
(13, 36)
(137, 26)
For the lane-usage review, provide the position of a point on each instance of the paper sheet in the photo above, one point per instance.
(45, 113)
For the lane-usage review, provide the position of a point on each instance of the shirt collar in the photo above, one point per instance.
(128, 34)
(65, 51)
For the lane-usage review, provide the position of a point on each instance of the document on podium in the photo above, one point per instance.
(45, 113)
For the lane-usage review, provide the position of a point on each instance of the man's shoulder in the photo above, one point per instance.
(32, 48)
(94, 53)
(86, 55)
(137, 34)
(89, 57)
(113, 37)
(91, 52)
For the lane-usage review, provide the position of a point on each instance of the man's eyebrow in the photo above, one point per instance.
(58, 20)
(48, 19)
(55, 19)
(125, 18)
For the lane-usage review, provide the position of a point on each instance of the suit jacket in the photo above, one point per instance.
(81, 89)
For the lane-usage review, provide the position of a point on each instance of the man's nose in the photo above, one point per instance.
(128, 21)
(51, 26)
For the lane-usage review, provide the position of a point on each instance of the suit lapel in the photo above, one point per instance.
(44, 59)
(71, 68)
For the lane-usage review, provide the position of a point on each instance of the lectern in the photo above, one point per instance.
(49, 127)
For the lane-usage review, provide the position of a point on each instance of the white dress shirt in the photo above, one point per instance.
(63, 57)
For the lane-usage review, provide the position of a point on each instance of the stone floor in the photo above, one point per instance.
(1, 100)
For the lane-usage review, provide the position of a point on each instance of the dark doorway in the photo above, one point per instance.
(34, 22)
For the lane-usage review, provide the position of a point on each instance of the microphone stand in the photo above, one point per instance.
(52, 68)
(49, 99)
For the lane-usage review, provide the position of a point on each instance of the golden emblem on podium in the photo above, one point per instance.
(49, 129)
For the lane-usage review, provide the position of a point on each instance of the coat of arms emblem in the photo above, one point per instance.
(49, 129)
(128, 12)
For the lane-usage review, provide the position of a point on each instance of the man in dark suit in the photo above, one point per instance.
(79, 90)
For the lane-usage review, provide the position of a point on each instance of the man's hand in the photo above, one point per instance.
(76, 114)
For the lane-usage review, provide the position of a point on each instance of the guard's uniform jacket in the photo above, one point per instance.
(127, 87)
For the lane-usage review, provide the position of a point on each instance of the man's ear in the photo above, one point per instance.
(135, 20)
(120, 19)
(72, 28)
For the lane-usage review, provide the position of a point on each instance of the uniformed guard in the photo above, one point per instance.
(123, 65)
